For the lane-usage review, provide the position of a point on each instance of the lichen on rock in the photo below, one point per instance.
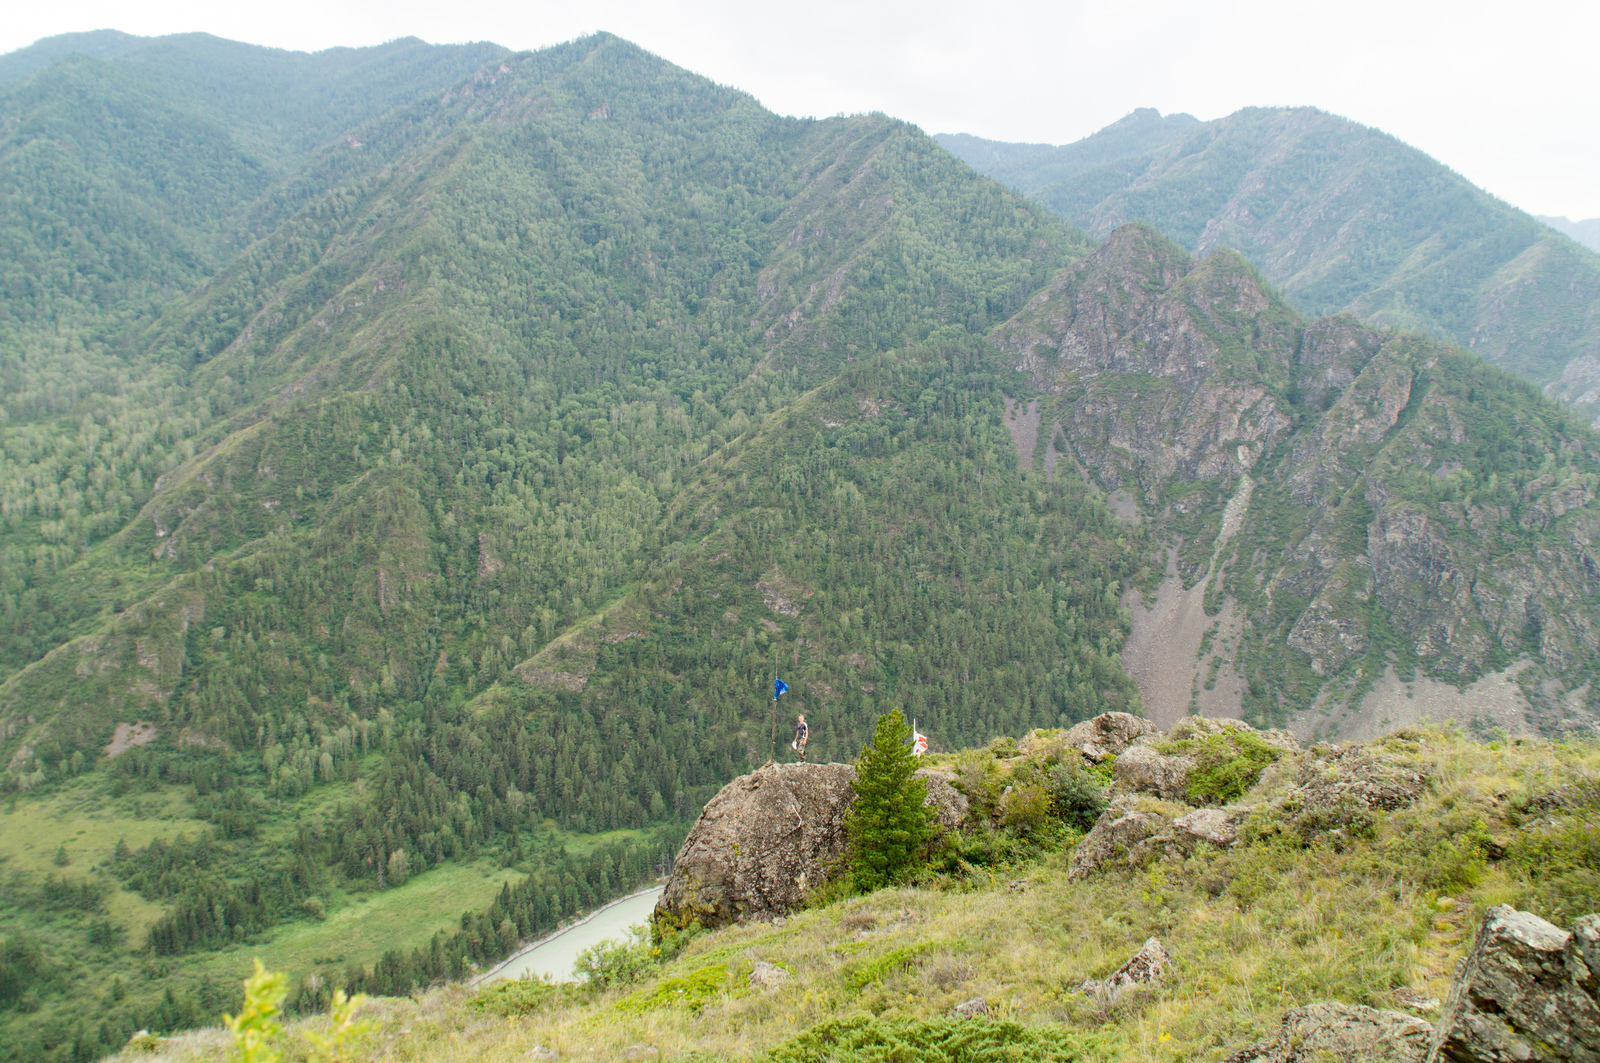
(1351, 1032)
(1527, 990)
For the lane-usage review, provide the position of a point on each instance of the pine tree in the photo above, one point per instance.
(890, 823)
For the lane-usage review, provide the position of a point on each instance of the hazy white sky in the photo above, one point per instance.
(1504, 93)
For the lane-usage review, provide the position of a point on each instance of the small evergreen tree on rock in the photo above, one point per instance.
(890, 824)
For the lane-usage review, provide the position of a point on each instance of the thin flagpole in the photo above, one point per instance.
(772, 754)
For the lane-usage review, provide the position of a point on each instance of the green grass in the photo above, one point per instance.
(78, 817)
(361, 927)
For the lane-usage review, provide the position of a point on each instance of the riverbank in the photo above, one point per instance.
(518, 963)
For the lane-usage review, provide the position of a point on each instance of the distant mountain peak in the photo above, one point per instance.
(1340, 217)
(1586, 232)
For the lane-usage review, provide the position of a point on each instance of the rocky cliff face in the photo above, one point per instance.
(1338, 499)
(1141, 348)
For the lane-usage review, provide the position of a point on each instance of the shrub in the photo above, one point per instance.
(1076, 795)
(618, 963)
(509, 998)
(1226, 765)
(1025, 808)
(864, 1039)
(861, 975)
(692, 991)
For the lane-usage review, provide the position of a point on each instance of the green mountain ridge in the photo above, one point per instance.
(429, 492)
(1341, 218)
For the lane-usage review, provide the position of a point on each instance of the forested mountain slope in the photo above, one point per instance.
(1343, 499)
(128, 181)
(1339, 217)
(383, 549)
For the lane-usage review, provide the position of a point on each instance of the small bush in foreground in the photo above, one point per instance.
(346, 1038)
(692, 992)
(523, 996)
(863, 1039)
(256, 1026)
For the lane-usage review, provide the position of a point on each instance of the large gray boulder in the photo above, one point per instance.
(1527, 990)
(758, 845)
(1343, 1032)
(769, 837)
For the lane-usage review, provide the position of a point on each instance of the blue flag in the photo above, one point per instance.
(779, 689)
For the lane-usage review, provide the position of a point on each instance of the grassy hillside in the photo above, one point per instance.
(1338, 216)
(1377, 913)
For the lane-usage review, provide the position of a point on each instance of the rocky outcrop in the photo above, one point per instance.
(1341, 1032)
(1194, 727)
(949, 804)
(1327, 790)
(1217, 826)
(1527, 990)
(1131, 332)
(1119, 837)
(1335, 776)
(1107, 735)
(1142, 769)
(770, 836)
(1130, 837)
(1143, 969)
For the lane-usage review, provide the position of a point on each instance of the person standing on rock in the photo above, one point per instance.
(801, 733)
